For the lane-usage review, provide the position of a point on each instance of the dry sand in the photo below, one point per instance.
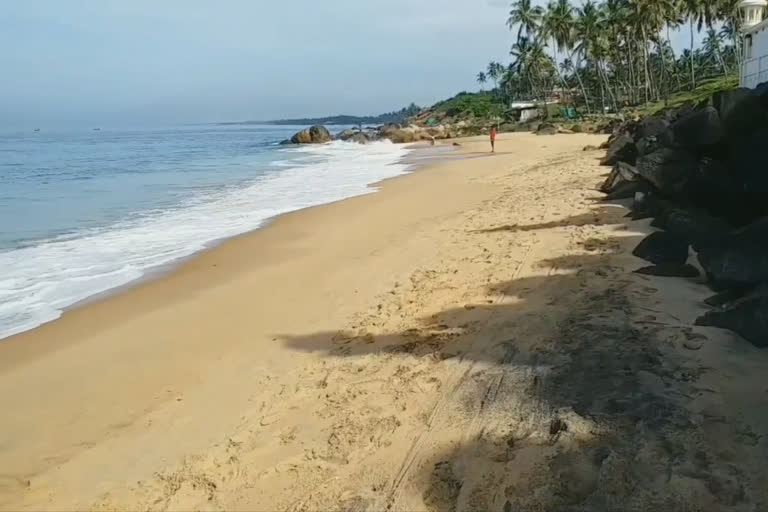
(469, 338)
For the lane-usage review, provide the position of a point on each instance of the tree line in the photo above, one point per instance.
(614, 53)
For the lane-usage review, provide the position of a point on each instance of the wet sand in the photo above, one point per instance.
(469, 338)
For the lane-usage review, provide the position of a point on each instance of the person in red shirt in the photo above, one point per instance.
(493, 139)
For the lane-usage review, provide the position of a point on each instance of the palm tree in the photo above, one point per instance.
(730, 32)
(673, 18)
(526, 17)
(712, 45)
(557, 25)
(654, 15)
(531, 62)
(495, 71)
(617, 30)
(481, 79)
(590, 25)
(615, 48)
(702, 13)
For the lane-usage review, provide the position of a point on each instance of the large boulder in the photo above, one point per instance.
(389, 128)
(363, 137)
(663, 248)
(400, 136)
(622, 149)
(696, 226)
(314, 135)
(652, 143)
(621, 173)
(740, 110)
(546, 129)
(699, 129)
(748, 319)
(669, 170)
(628, 190)
(651, 127)
(740, 258)
(346, 134)
(674, 114)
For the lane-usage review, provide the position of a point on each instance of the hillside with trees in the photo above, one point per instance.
(397, 116)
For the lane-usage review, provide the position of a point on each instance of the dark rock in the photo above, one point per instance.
(747, 166)
(674, 114)
(740, 111)
(669, 170)
(621, 173)
(699, 130)
(643, 203)
(622, 149)
(653, 143)
(748, 319)
(738, 259)
(627, 190)
(733, 263)
(670, 270)
(314, 135)
(715, 189)
(590, 148)
(698, 227)
(651, 127)
(730, 296)
(638, 215)
(663, 248)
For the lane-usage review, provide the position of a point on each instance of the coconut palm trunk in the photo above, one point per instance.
(581, 84)
(674, 60)
(645, 66)
(693, 64)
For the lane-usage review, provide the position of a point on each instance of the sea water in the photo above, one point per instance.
(84, 212)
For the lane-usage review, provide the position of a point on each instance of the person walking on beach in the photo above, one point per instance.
(493, 139)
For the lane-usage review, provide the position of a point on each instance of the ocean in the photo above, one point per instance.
(85, 212)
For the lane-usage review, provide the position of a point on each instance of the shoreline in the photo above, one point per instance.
(168, 367)
(412, 160)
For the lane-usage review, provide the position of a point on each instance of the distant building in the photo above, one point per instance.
(754, 67)
(526, 110)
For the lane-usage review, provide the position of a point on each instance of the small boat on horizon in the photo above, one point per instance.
(97, 129)
(37, 129)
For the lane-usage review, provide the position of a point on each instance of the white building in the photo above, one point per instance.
(754, 68)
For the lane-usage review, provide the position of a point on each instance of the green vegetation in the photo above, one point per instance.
(397, 116)
(484, 105)
(703, 91)
(610, 55)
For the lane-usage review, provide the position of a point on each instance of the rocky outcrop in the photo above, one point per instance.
(546, 129)
(313, 135)
(412, 133)
(705, 182)
(361, 137)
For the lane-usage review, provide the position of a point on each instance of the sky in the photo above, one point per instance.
(186, 61)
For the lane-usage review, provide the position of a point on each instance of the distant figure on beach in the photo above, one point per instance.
(493, 139)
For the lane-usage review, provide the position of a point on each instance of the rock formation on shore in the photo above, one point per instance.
(313, 135)
(696, 170)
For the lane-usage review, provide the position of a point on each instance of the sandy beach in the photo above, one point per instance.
(471, 337)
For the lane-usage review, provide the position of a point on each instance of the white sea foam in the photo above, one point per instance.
(39, 281)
